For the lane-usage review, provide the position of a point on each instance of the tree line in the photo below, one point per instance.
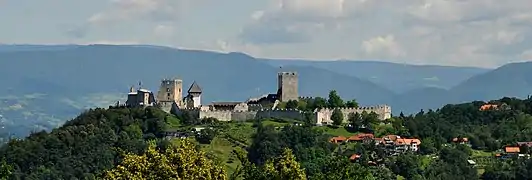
(128, 143)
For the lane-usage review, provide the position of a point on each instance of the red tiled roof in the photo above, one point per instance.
(391, 137)
(488, 107)
(338, 138)
(512, 149)
(360, 137)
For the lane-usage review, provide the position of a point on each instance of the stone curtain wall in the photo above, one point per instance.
(324, 115)
(243, 115)
(220, 115)
(286, 113)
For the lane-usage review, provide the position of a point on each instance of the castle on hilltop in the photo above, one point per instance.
(170, 99)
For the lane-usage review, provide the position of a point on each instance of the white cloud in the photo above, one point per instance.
(225, 46)
(122, 10)
(384, 46)
(527, 55)
(458, 32)
(163, 30)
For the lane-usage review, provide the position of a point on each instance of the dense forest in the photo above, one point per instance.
(133, 143)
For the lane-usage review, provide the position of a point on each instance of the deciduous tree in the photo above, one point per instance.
(280, 168)
(180, 162)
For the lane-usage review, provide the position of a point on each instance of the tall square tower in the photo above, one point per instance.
(287, 86)
(170, 92)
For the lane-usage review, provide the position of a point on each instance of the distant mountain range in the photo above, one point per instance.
(45, 85)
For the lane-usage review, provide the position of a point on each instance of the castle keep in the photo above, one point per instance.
(170, 99)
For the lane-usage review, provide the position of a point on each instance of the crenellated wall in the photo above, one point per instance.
(225, 115)
(323, 116)
(306, 97)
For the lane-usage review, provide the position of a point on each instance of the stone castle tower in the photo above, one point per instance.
(287, 86)
(194, 96)
(170, 92)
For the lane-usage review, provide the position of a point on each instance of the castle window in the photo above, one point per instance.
(168, 94)
(167, 89)
(167, 82)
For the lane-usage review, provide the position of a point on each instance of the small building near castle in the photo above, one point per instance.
(140, 98)
(193, 99)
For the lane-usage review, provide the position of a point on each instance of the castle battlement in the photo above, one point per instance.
(305, 97)
(364, 108)
(170, 99)
(281, 110)
(217, 110)
(287, 74)
(191, 109)
(171, 80)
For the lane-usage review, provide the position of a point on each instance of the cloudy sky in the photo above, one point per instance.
(484, 33)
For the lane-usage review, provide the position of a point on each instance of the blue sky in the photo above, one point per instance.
(485, 33)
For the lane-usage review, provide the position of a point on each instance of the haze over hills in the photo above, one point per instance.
(45, 85)
(396, 77)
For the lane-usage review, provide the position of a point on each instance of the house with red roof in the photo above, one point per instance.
(362, 138)
(338, 139)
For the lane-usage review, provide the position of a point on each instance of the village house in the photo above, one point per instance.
(404, 144)
(338, 139)
(362, 138)
(528, 144)
(512, 150)
(486, 107)
(393, 144)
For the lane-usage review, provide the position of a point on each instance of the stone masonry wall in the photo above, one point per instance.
(323, 116)
(243, 115)
(247, 115)
(280, 113)
(288, 84)
(220, 115)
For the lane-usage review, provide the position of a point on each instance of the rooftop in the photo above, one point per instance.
(194, 88)
(360, 137)
(529, 144)
(511, 149)
(144, 90)
(488, 107)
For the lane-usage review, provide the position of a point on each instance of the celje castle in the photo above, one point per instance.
(170, 98)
